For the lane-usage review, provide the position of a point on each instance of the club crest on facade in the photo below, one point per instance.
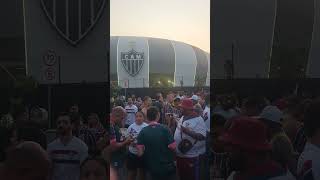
(132, 62)
(73, 19)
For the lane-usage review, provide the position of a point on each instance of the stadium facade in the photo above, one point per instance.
(137, 62)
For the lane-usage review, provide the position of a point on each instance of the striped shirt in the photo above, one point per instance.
(88, 137)
(131, 114)
(168, 108)
(66, 159)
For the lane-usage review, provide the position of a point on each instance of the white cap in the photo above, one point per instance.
(271, 113)
(195, 97)
(178, 97)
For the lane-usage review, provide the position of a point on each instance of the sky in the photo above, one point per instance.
(187, 21)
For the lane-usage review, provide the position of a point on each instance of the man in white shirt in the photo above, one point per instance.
(66, 152)
(309, 161)
(191, 131)
(131, 110)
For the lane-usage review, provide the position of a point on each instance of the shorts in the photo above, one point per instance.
(134, 162)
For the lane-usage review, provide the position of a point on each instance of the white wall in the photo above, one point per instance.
(186, 64)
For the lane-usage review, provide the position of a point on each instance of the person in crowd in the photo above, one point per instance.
(39, 116)
(206, 112)
(31, 133)
(246, 141)
(95, 125)
(20, 115)
(176, 110)
(293, 120)
(135, 164)
(219, 169)
(94, 168)
(82, 132)
(309, 160)
(32, 129)
(157, 145)
(301, 139)
(169, 100)
(205, 100)
(171, 105)
(138, 103)
(117, 147)
(25, 161)
(190, 136)
(112, 102)
(119, 102)
(227, 107)
(5, 143)
(198, 110)
(134, 99)
(147, 102)
(99, 132)
(7, 120)
(252, 106)
(159, 103)
(282, 148)
(67, 152)
(195, 99)
(131, 110)
(74, 109)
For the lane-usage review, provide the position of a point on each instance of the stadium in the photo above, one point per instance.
(142, 62)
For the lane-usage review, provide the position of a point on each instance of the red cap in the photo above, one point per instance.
(247, 133)
(186, 104)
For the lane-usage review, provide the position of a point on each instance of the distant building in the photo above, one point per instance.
(149, 62)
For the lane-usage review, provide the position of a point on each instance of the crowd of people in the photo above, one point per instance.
(256, 138)
(75, 152)
(167, 137)
(171, 136)
(144, 140)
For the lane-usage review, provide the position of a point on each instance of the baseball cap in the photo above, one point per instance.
(195, 97)
(186, 104)
(271, 113)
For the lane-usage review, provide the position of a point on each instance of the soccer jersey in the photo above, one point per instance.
(134, 130)
(197, 125)
(66, 159)
(131, 114)
(206, 117)
(157, 142)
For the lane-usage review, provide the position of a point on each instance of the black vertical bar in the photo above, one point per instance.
(59, 67)
(232, 60)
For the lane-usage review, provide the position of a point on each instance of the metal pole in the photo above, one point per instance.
(232, 59)
(59, 64)
(50, 106)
